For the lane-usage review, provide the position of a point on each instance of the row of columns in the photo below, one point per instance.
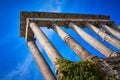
(79, 50)
(51, 51)
(111, 31)
(104, 36)
(92, 41)
(54, 55)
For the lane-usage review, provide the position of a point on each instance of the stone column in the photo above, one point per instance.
(42, 64)
(51, 51)
(111, 30)
(80, 51)
(92, 41)
(118, 27)
(104, 36)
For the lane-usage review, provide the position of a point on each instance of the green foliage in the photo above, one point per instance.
(86, 70)
(114, 78)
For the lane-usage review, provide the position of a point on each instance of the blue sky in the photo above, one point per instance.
(16, 61)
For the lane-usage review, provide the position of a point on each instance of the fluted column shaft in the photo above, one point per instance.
(51, 51)
(81, 52)
(104, 36)
(92, 41)
(42, 64)
(111, 30)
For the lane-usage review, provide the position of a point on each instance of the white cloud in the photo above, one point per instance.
(52, 6)
(20, 72)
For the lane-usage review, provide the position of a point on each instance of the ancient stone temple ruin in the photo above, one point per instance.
(31, 22)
